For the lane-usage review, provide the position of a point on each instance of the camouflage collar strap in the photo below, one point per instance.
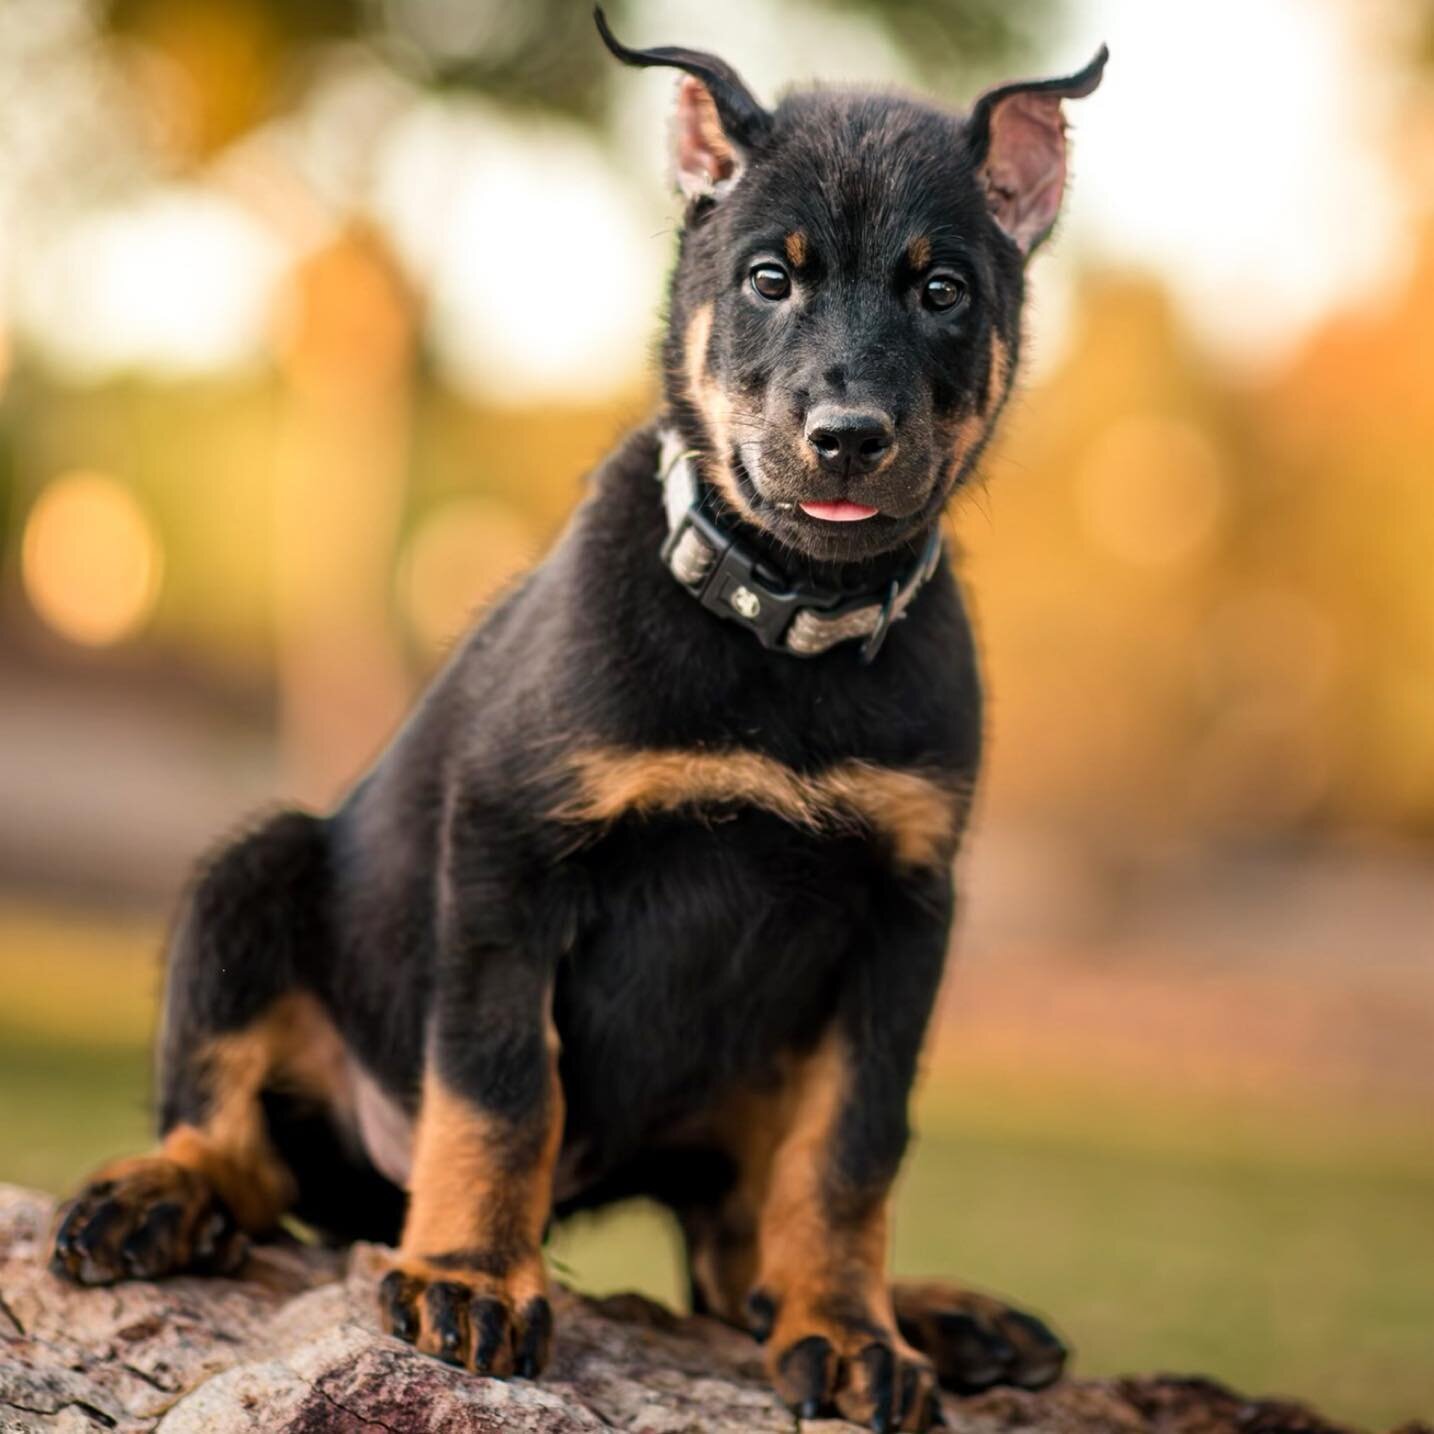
(802, 620)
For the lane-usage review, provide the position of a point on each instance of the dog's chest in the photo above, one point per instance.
(715, 940)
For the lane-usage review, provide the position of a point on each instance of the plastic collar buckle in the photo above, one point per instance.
(737, 589)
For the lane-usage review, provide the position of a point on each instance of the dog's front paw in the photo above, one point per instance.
(143, 1218)
(487, 1323)
(976, 1341)
(825, 1358)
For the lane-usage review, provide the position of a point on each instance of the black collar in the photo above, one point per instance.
(802, 619)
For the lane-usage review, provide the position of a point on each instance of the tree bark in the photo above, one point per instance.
(292, 1347)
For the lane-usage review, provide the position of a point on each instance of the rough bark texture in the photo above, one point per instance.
(293, 1348)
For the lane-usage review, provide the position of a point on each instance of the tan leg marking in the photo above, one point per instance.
(722, 1241)
(802, 1254)
(292, 1047)
(481, 1183)
(468, 1284)
(183, 1206)
(822, 1266)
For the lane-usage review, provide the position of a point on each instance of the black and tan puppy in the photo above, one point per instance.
(652, 893)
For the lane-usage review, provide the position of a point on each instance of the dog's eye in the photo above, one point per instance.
(771, 281)
(943, 292)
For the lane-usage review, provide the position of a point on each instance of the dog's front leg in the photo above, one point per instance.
(468, 1284)
(822, 1299)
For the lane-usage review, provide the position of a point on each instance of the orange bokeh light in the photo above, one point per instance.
(90, 560)
(460, 557)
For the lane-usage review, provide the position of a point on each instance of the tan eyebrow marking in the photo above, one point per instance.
(796, 247)
(918, 252)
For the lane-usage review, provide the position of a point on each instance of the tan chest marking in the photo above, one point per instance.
(916, 814)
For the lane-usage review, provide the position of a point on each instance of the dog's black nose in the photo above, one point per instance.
(849, 440)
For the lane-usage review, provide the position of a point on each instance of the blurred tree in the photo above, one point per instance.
(1424, 34)
(215, 68)
(235, 63)
(346, 354)
(205, 74)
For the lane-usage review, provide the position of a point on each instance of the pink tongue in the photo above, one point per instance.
(839, 512)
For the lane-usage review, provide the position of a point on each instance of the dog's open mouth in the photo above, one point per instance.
(840, 511)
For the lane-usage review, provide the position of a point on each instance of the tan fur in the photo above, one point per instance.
(823, 1261)
(967, 436)
(917, 815)
(918, 252)
(796, 247)
(814, 1265)
(775, 1229)
(722, 1243)
(999, 383)
(481, 1184)
(694, 347)
(293, 1046)
(970, 432)
(713, 403)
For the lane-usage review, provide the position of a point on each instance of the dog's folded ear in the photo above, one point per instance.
(1017, 139)
(717, 123)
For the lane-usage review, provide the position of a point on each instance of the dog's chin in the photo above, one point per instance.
(776, 508)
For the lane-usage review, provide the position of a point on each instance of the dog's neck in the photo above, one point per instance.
(867, 576)
(790, 602)
(864, 576)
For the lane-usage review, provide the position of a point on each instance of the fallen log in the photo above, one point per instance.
(292, 1347)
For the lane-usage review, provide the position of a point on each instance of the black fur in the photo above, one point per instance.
(693, 954)
(860, 176)
(688, 954)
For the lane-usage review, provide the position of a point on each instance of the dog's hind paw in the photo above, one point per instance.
(976, 1341)
(143, 1218)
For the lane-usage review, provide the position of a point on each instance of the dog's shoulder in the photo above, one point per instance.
(597, 671)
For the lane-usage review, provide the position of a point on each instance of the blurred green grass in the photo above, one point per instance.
(1285, 1248)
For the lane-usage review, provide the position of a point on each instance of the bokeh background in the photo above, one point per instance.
(312, 316)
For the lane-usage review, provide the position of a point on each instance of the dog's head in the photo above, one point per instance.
(845, 314)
